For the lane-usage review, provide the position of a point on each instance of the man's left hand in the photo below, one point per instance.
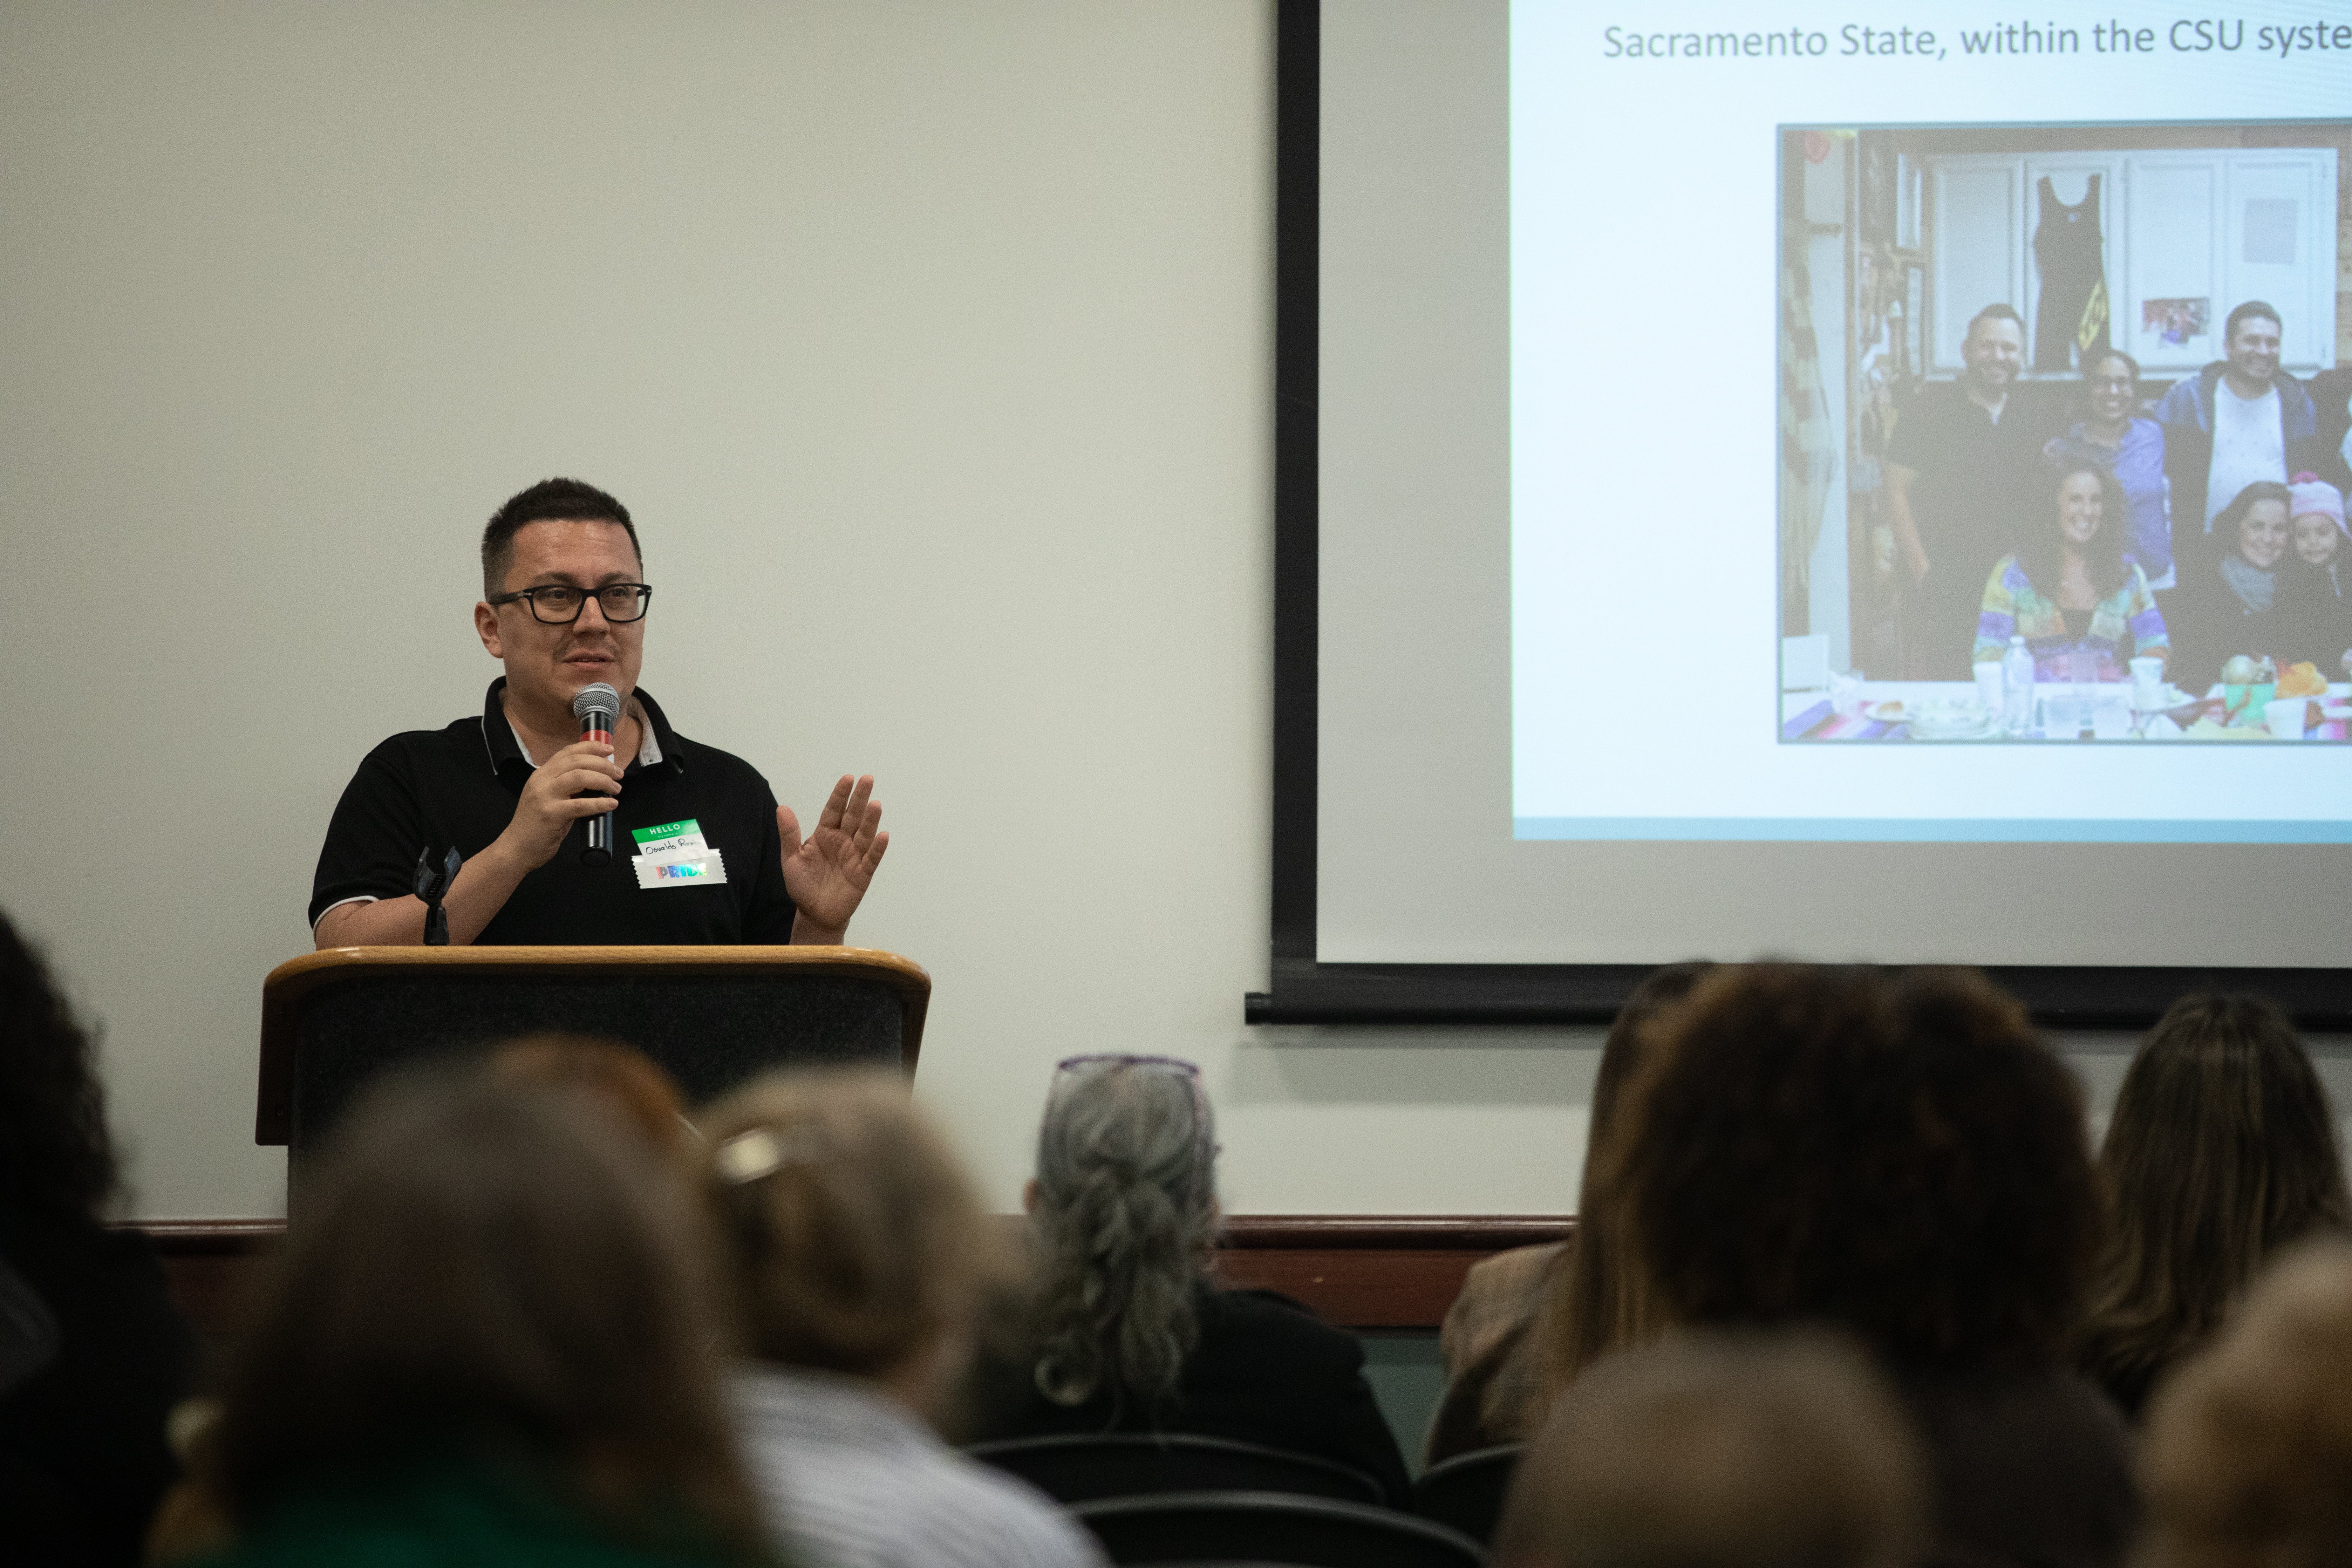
(827, 873)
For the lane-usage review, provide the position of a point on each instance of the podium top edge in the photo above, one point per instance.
(889, 968)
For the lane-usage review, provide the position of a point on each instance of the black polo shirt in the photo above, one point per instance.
(1976, 480)
(429, 789)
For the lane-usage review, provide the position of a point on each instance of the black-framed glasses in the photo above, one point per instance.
(560, 604)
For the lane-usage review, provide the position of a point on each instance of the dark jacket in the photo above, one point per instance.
(82, 1455)
(2315, 611)
(2331, 397)
(2028, 1468)
(1266, 1371)
(2186, 411)
(2209, 623)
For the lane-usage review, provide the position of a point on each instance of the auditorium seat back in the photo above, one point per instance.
(1466, 1491)
(1259, 1528)
(1083, 1469)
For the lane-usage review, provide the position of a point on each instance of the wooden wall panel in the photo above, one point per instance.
(1357, 1271)
(1367, 1272)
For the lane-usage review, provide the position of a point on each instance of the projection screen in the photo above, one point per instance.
(1671, 426)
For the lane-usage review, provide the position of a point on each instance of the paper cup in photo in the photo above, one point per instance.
(1989, 686)
(2147, 682)
(2284, 715)
(1846, 692)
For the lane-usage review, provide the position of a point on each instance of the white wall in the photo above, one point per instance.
(929, 343)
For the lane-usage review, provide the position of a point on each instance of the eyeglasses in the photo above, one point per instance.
(1117, 1060)
(560, 604)
(1173, 1067)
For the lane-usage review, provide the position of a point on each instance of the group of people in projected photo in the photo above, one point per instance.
(2201, 527)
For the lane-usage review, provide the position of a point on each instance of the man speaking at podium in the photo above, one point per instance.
(701, 850)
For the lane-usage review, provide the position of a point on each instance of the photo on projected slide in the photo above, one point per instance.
(2064, 435)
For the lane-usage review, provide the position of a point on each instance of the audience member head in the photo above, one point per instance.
(1720, 1452)
(616, 1079)
(1993, 350)
(2221, 1151)
(2250, 338)
(1899, 1156)
(2315, 509)
(849, 1237)
(2254, 525)
(1124, 1208)
(56, 1158)
(2248, 1462)
(2083, 517)
(481, 1273)
(1598, 1305)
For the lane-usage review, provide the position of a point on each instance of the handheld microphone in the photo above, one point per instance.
(598, 709)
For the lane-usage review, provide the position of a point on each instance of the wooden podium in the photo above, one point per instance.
(332, 1022)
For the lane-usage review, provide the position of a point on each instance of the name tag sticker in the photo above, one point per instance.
(672, 870)
(671, 840)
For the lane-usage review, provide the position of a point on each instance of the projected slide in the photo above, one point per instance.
(1930, 430)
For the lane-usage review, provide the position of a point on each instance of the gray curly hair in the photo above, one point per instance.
(1125, 1211)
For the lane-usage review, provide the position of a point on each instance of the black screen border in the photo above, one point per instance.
(1307, 992)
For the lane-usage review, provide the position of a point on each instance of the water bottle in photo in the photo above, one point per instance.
(2017, 687)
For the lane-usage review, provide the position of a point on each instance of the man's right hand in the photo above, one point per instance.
(549, 807)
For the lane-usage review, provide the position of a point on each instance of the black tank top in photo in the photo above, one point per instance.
(2073, 313)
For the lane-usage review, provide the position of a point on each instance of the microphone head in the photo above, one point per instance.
(597, 699)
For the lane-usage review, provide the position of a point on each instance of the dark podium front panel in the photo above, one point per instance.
(335, 1023)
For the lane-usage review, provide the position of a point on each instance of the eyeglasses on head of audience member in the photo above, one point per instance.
(1106, 1060)
(1171, 1066)
(560, 604)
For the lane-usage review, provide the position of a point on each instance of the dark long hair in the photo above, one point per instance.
(2039, 550)
(1596, 1305)
(56, 1158)
(2227, 521)
(2222, 1150)
(1901, 1157)
(490, 1270)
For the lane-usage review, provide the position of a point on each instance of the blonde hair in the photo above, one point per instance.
(1748, 1451)
(850, 1238)
(2248, 1454)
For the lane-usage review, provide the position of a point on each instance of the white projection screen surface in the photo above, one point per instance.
(1619, 655)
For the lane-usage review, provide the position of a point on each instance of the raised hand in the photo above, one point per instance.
(827, 873)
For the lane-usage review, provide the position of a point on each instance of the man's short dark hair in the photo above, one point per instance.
(1994, 313)
(2251, 307)
(550, 500)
